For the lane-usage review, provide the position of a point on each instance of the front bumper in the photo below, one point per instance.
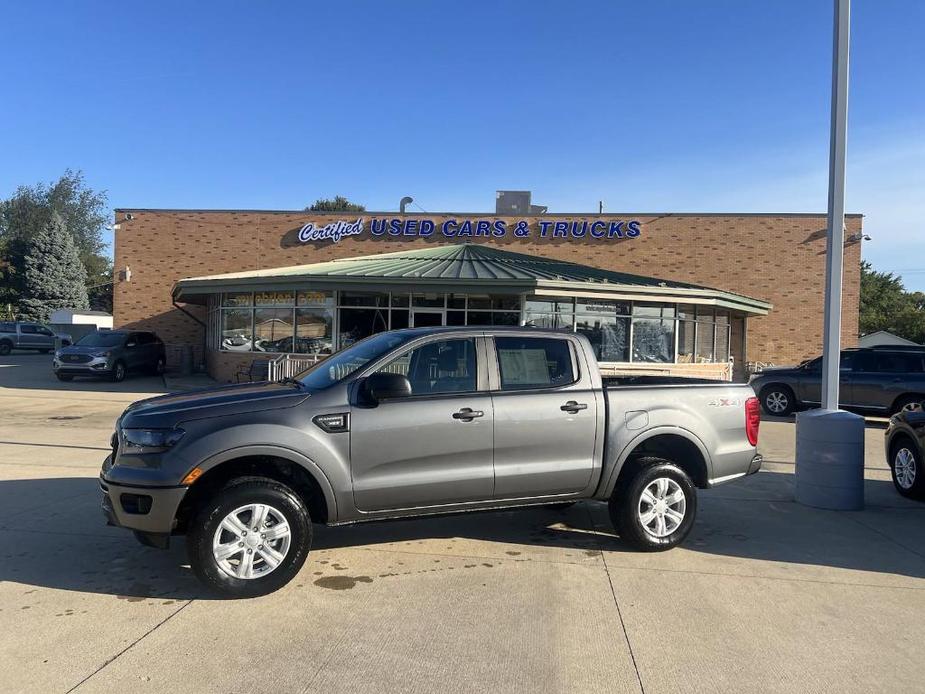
(146, 510)
(97, 365)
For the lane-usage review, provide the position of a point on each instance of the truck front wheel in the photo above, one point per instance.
(251, 538)
(653, 509)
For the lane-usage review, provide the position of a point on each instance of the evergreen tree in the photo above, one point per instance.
(338, 204)
(53, 276)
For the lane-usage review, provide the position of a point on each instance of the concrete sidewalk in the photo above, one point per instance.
(766, 595)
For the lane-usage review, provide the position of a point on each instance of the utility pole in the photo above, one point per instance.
(830, 442)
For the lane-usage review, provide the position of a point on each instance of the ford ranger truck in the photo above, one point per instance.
(419, 422)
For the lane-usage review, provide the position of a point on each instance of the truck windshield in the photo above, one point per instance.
(102, 339)
(340, 365)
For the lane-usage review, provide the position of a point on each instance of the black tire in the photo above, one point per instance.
(908, 402)
(777, 400)
(907, 458)
(64, 377)
(627, 499)
(118, 372)
(237, 493)
(5, 348)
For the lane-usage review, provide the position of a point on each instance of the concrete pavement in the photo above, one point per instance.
(765, 595)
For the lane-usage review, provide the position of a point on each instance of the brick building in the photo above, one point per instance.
(669, 293)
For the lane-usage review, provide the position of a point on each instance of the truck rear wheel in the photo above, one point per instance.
(251, 538)
(653, 509)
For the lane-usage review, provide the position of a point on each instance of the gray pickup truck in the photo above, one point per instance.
(25, 335)
(418, 422)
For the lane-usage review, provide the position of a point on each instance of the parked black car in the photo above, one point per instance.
(905, 452)
(881, 380)
(111, 354)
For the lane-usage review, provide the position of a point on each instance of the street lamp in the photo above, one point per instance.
(830, 442)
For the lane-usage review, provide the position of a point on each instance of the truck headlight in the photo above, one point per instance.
(139, 441)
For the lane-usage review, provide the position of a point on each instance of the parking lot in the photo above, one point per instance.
(766, 595)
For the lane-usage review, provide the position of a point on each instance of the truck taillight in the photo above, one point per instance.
(752, 420)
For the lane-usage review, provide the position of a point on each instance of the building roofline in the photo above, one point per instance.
(482, 214)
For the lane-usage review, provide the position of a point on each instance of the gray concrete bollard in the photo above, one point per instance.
(830, 460)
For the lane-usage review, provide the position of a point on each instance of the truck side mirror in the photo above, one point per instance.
(384, 386)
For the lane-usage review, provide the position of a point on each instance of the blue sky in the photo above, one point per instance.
(649, 106)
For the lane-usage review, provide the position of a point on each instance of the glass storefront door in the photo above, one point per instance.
(422, 318)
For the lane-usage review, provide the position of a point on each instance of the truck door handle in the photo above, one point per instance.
(467, 414)
(572, 407)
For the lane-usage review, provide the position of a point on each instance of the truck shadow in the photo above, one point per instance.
(54, 537)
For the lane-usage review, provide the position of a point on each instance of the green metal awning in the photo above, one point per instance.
(462, 268)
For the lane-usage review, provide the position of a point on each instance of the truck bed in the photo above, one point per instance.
(650, 380)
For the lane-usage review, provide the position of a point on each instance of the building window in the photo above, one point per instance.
(319, 322)
(237, 329)
(267, 321)
(274, 298)
(555, 314)
(272, 329)
(357, 323)
(238, 299)
(686, 341)
(314, 331)
(607, 325)
(705, 317)
(653, 333)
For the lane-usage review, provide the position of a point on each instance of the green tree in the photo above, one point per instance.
(338, 204)
(886, 305)
(28, 211)
(53, 276)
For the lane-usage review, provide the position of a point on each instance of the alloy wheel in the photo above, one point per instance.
(251, 541)
(777, 401)
(662, 506)
(904, 468)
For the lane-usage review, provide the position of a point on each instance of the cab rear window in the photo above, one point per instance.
(534, 362)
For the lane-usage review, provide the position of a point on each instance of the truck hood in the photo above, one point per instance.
(166, 411)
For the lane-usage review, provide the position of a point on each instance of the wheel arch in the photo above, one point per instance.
(281, 464)
(911, 395)
(678, 445)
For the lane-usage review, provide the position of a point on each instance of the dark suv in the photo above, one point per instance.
(882, 380)
(110, 354)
